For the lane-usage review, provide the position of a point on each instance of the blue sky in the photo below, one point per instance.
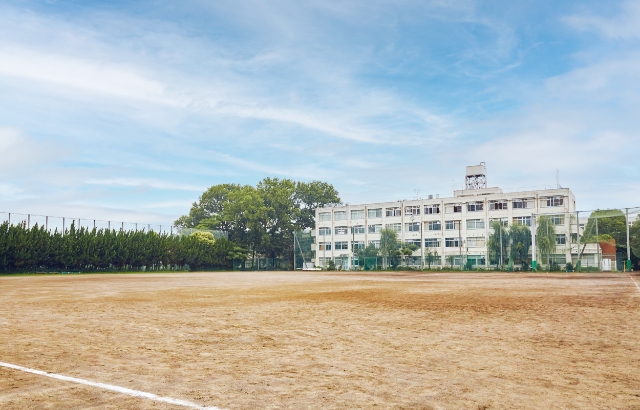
(129, 110)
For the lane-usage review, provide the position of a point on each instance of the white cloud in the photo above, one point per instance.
(84, 75)
(624, 26)
(143, 183)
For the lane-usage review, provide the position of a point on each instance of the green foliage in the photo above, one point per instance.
(389, 244)
(498, 243)
(610, 222)
(369, 252)
(23, 249)
(520, 236)
(261, 218)
(545, 238)
(430, 257)
(634, 237)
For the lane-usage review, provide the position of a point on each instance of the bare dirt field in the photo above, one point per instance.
(292, 340)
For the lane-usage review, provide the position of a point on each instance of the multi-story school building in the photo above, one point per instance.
(457, 228)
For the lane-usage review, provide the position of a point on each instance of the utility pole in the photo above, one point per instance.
(598, 243)
(460, 241)
(628, 247)
(501, 260)
(578, 239)
(533, 243)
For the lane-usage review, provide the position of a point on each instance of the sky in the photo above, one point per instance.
(128, 111)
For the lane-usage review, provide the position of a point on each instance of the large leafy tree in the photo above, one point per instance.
(545, 238)
(498, 243)
(520, 237)
(389, 244)
(262, 218)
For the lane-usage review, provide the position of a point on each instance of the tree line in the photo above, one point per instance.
(29, 250)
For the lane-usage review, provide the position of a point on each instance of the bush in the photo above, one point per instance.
(554, 267)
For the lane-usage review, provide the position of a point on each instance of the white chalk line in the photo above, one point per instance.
(117, 389)
(634, 281)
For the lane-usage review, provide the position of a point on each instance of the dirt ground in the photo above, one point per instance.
(293, 340)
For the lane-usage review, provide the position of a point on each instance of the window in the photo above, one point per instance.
(342, 245)
(341, 230)
(452, 242)
(475, 241)
(431, 209)
(434, 226)
(451, 208)
(451, 225)
(324, 216)
(557, 219)
(355, 245)
(358, 214)
(497, 205)
(395, 227)
(323, 261)
(375, 243)
(412, 210)
(324, 246)
(475, 206)
(324, 231)
(357, 229)
(476, 260)
(432, 243)
(475, 223)
(374, 213)
(522, 220)
(560, 259)
(554, 201)
(561, 239)
(375, 228)
(412, 227)
(393, 211)
(340, 215)
(415, 242)
(522, 203)
(502, 221)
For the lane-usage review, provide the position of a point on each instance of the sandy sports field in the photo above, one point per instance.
(293, 340)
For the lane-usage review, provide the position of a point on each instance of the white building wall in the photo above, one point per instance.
(537, 200)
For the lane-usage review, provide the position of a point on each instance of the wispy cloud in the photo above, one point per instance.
(623, 26)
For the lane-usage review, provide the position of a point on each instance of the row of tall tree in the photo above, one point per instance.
(24, 249)
(261, 218)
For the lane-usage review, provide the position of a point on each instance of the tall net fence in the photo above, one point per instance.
(303, 253)
(63, 223)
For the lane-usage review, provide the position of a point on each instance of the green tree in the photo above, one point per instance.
(430, 257)
(389, 245)
(370, 251)
(261, 218)
(545, 239)
(607, 221)
(498, 243)
(520, 237)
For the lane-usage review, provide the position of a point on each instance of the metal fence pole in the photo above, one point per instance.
(628, 247)
(28, 221)
(46, 222)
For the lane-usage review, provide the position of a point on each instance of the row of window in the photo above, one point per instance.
(431, 225)
(472, 241)
(435, 209)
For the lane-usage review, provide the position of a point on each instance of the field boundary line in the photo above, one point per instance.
(634, 281)
(110, 387)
